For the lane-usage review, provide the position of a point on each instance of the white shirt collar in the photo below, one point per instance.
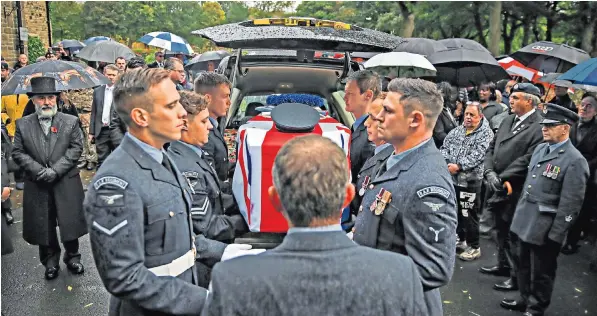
(526, 115)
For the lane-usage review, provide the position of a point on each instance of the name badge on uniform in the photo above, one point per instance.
(381, 201)
(364, 185)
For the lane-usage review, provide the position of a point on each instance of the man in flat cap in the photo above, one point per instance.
(47, 147)
(507, 160)
(552, 196)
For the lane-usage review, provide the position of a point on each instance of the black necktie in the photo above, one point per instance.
(516, 120)
(547, 150)
(166, 163)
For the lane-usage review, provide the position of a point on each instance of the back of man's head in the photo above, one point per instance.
(311, 189)
(206, 82)
(170, 63)
(132, 91)
(367, 80)
(418, 95)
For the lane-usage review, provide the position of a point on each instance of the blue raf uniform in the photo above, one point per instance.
(217, 149)
(138, 212)
(368, 171)
(552, 197)
(417, 218)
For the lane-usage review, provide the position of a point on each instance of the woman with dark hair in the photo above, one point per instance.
(445, 121)
(488, 100)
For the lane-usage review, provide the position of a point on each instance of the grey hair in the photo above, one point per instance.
(170, 63)
(535, 100)
(421, 95)
(311, 188)
(477, 105)
(131, 91)
(367, 80)
(207, 81)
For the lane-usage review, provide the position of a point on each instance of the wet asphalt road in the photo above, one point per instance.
(25, 291)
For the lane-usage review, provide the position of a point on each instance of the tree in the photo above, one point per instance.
(494, 28)
(65, 17)
(235, 11)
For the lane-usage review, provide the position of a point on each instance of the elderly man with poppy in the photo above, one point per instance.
(47, 147)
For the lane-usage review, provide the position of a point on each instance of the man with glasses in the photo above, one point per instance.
(551, 200)
(159, 61)
(507, 160)
(176, 70)
(584, 137)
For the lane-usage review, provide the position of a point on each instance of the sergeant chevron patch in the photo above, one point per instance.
(114, 229)
(200, 210)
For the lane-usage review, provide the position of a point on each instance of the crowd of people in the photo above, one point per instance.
(433, 168)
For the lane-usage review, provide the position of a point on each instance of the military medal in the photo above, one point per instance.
(556, 172)
(364, 185)
(546, 172)
(381, 201)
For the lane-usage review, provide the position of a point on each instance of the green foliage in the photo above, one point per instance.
(35, 48)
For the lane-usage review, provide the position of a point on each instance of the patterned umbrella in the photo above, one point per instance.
(96, 39)
(69, 75)
(168, 41)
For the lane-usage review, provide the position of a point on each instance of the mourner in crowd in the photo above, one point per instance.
(382, 151)
(120, 63)
(302, 275)
(135, 63)
(63, 105)
(464, 150)
(106, 139)
(445, 122)
(562, 98)
(552, 197)
(583, 136)
(216, 88)
(409, 207)
(176, 69)
(47, 147)
(159, 60)
(488, 99)
(7, 246)
(22, 61)
(507, 160)
(362, 88)
(142, 235)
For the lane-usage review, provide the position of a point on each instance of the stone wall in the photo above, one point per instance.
(34, 18)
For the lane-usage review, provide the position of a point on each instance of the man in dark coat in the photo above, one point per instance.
(410, 206)
(507, 159)
(362, 88)
(553, 195)
(7, 246)
(310, 272)
(583, 136)
(106, 139)
(47, 146)
(216, 88)
(159, 60)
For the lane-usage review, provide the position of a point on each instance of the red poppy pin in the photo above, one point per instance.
(54, 129)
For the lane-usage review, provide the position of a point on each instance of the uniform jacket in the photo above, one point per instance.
(467, 151)
(497, 120)
(548, 206)
(445, 123)
(97, 110)
(12, 108)
(217, 149)
(82, 99)
(139, 217)
(301, 277)
(361, 149)
(208, 212)
(60, 150)
(419, 221)
(369, 170)
(510, 151)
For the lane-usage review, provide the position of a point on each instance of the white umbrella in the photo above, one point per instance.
(401, 64)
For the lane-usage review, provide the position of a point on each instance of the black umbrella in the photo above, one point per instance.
(106, 51)
(466, 67)
(201, 62)
(421, 46)
(69, 75)
(463, 43)
(550, 57)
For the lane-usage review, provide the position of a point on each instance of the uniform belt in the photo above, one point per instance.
(177, 266)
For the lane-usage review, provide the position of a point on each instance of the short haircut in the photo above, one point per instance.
(135, 62)
(419, 94)
(593, 97)
(171, 62)
(111, 67)
(477, 105)
(119, 57)
(207, 81)
(367, 80)
(535, 100)
(311, 188)
(158, 53)
(193, 102)
(131, 91)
